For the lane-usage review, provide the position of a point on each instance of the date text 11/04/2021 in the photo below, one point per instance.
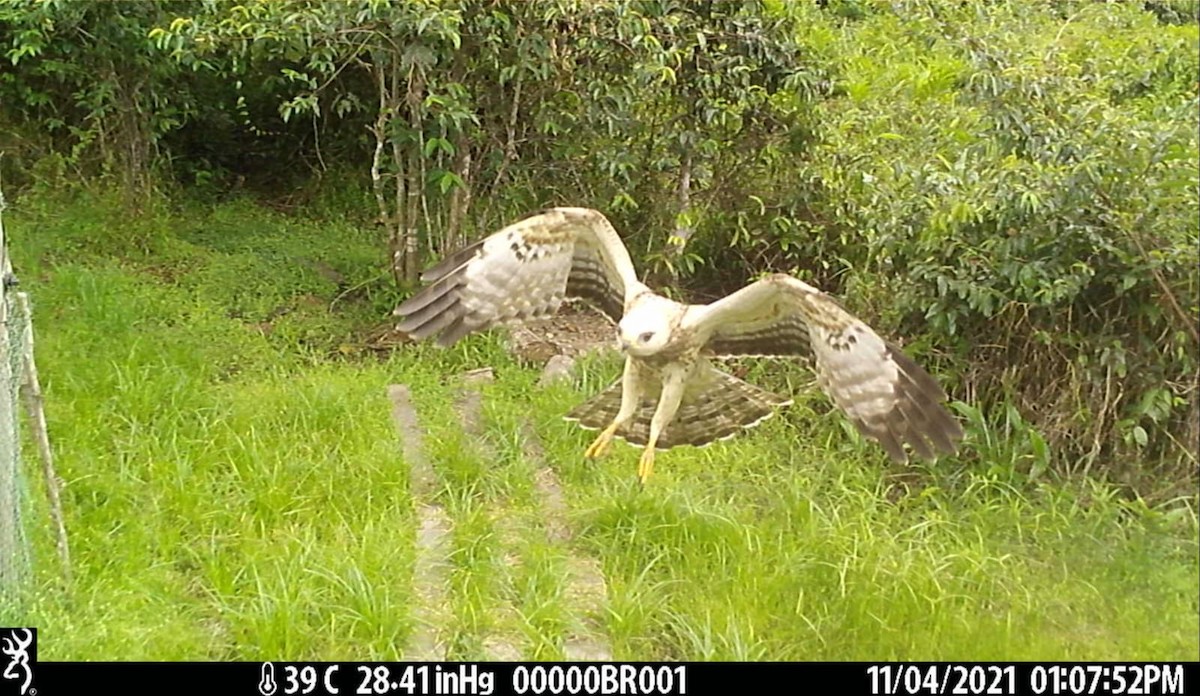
(1051, 680)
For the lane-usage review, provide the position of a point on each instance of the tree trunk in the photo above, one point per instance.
(387, 74)
(510, 141)
(460, 197)
(680, 236)
(387, 218)
(412, 250)
(684, 198)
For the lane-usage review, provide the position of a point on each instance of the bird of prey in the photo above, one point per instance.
(670, 392)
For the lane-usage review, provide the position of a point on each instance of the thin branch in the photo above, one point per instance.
(510, 145)
(355, 288)
(31, 388)
(398, 240)
(350, 59)
(317, 142)
(1184, 317)
(379, 131)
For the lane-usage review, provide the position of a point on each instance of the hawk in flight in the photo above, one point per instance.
(670, 392)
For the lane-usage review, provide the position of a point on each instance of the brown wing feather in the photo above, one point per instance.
(886, 394)
(785, 336)
(523, 271)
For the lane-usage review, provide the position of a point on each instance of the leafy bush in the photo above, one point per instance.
(86, 75)
(1022, 192)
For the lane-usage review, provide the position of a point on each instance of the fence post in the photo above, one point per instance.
(13, 553)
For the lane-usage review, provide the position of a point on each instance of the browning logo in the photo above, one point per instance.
(19, 649)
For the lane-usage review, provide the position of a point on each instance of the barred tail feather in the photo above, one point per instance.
(597, 412)
(716, 408)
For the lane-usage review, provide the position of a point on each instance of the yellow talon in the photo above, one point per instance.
(600, 444)
(646, 464)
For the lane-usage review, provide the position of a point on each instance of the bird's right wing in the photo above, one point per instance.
(523, 271)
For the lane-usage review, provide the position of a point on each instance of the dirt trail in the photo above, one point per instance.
(431, 568)
(585, 591)
(469, 403)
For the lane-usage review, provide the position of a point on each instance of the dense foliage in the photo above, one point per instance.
(1012, 184)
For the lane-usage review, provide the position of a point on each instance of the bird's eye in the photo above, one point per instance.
(646, 336)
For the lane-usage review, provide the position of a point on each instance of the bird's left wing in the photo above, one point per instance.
(887, 395)
(523, 271)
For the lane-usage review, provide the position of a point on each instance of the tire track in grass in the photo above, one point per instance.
(497, 646)
(586, 591)
(431, 567)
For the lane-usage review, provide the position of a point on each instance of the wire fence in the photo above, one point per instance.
(15, 553)
(19, 384)
(14, 542)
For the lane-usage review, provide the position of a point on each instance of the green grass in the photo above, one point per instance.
(239, 493)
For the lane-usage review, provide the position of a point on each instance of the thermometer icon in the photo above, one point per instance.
(267, 685)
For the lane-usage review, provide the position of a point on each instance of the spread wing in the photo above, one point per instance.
(884, 392)
(523, 271)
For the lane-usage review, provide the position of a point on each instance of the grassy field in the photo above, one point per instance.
(236, 489)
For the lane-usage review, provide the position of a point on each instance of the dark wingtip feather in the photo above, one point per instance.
(925, 409)
(420, 313)
(917, 376)
(451, 262)
(919, 418)
(456, 330)
(436, 309)
(945, 433)
(883, 434)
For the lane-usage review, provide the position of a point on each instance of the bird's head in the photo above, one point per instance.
(646, 328)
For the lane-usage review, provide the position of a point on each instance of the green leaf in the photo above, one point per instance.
(1041, 454)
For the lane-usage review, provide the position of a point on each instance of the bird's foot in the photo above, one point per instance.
(646, 464)
(600, 444)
